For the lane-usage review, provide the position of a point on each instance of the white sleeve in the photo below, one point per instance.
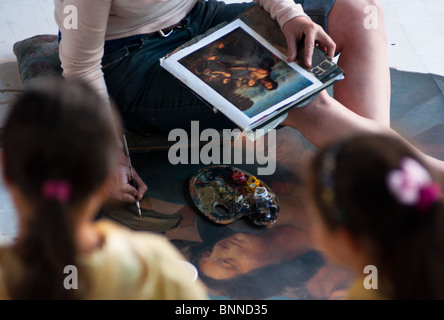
(282, 10)
(81, 47)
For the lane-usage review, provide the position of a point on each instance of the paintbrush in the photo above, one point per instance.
(133, 180)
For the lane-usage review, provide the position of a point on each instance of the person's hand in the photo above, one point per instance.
(120, 187)
(297, 28)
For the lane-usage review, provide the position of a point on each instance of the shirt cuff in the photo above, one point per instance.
(294, 12)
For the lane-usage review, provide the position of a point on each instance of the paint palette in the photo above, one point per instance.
(225, 193)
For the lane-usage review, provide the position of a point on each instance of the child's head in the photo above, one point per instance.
(376, 203)
(59, 146)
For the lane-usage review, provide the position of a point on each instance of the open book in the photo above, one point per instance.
(241, 74)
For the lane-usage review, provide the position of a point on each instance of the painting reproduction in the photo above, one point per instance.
(240, 74)
(244, 72)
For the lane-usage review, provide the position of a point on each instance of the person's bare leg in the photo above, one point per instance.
(362, 100)
(360, 36)
(325, 120)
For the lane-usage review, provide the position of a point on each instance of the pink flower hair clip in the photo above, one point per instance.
(412, 185)
(58, 190)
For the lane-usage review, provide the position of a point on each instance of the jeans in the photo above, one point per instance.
(148, 97)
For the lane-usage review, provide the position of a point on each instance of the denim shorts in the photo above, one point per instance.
(149, 98)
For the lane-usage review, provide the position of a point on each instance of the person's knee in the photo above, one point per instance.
(371, 10)
(373, 3)
(350, 20)
(358, 7)
(357, 12)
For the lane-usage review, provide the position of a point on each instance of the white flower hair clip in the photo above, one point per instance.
(412, 185)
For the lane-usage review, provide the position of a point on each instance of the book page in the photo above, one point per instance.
(240, 74)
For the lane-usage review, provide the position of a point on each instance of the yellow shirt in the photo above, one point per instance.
(129, 265)
(358, 292)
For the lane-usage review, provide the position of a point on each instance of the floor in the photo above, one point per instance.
(415, 43)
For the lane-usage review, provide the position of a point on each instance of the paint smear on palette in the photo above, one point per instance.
(225, 193)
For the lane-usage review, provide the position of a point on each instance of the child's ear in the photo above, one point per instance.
(103, 190)
(350, 249)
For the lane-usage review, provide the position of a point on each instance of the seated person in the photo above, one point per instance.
(116, 47)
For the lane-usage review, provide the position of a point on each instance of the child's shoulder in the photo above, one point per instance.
(109, 228)
(116, 235)
(151, 249)
(141, 261)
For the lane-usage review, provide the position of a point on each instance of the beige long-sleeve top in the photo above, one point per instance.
(81, 49)
(129, 265)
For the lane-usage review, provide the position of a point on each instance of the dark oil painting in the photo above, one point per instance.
(245, 72)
